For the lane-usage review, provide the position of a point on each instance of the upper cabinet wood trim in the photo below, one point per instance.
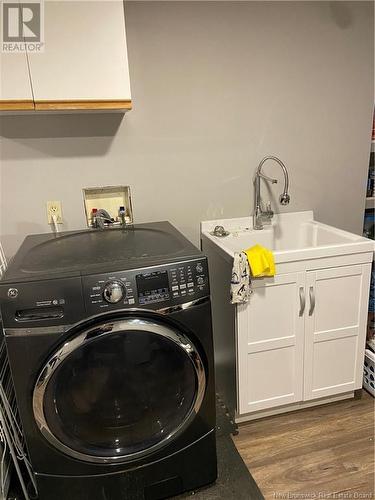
(17, 105)
(82, 105)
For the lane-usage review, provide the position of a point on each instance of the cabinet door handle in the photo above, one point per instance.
(302, 300)
(312, 300)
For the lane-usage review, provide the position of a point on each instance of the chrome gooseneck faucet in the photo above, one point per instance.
(261, 216)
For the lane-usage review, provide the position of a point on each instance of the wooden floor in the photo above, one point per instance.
(321, 452)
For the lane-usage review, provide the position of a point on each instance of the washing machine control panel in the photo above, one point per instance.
(152, 287)
(155, 287)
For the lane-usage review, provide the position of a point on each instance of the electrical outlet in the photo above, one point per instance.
(54, 208)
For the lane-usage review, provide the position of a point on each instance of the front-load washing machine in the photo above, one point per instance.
(110, 344)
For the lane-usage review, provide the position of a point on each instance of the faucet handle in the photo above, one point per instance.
(269, 210)
(266, 178)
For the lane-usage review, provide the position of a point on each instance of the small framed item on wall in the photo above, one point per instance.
(108, 206)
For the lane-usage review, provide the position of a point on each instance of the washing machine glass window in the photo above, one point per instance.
(119, 390)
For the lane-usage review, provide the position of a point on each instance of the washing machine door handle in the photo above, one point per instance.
(184, 306)
(105, 330)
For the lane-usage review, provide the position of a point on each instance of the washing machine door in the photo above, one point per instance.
(119, 390)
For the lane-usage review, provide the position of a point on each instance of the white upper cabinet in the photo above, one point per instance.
(15, 87)
(84, 61)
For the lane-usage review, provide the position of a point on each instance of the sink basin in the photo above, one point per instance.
(284, 238)
(292, 236)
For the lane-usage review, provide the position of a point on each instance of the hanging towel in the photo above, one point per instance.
(261, 261)
(240, 289)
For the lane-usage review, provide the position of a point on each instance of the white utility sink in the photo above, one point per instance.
(292, 236)
(301, 335)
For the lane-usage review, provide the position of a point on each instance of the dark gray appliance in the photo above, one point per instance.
(110, 343)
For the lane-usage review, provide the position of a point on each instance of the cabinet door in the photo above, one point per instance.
(270, 343)
(85, 54)
(335, 330)
(15, 86)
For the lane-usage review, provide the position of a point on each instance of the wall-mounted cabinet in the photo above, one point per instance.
(15, 87)
(84, 64)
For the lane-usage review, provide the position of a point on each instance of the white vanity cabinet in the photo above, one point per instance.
(335, 327)
(270, 344)
(300, 339)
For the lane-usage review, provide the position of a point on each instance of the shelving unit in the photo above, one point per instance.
(368, 231)
(368, 227)
(13, 457)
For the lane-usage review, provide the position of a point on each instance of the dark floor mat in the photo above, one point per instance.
(234, 481)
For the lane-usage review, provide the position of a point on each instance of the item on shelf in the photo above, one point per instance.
(371, 180)
(369, 224)
(371, 310)
(369, 372)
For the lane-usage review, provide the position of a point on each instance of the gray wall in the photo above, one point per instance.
(216, 87)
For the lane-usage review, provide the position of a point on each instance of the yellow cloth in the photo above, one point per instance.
(261, 261)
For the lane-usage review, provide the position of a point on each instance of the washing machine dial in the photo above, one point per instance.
(113, 292)
(199, 267)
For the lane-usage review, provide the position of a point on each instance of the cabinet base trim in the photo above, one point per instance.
(292, 407)
(83, 104)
